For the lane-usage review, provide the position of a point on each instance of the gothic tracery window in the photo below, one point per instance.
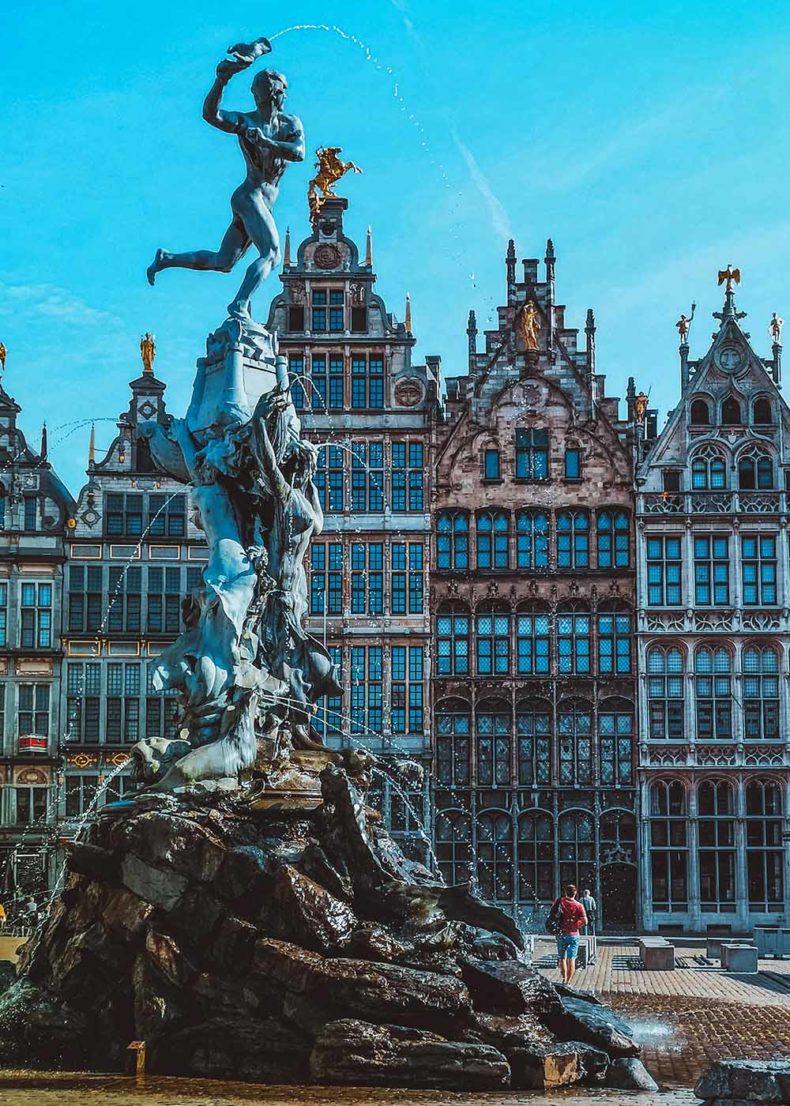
(716, 828)
(764, 849)
(454, 846)
(452, 541)
(713, 689)
(665, 693)
(495, 855)
(532, 540)
(573, 539)
(452, 640)
(493, 735)
(533, 735)
(493, 540)
(668, 846)
(574, 725)
(452, 743)
(761, 693)
(535, 856)
(492, 641)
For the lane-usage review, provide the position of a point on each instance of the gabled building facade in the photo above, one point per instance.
(532, 589)
(370, 412)
(714, 642)
(35, 512)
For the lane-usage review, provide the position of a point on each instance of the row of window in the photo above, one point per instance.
(533, 642)
(537, 753)
(531, 459)
(382, 475)
(566, 540)
(369, 588)
(328, 314)
(708, 829)
(712, 568)
(716, 704)
(30, 511)
(359, 710)
(329, 388)
(35, 616)
(709, 470)
(131, 598)
(155, 514)
(704, 412)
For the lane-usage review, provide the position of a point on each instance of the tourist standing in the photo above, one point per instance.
(571, 916)
(590, 909)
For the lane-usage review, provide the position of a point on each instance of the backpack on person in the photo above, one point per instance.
(554, 919)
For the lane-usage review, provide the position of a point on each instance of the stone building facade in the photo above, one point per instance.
(370, 413)
(714, 642)
(35, 509)
(532, 589)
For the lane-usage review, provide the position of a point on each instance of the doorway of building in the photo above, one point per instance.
(618, 898)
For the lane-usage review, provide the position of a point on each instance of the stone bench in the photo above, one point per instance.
(656, 954)
(713, 947)
(738, 956)
(772, 941)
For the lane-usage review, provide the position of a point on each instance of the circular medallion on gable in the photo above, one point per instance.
(327, 256)
(730, 358)
(408, 393)
(534, 394)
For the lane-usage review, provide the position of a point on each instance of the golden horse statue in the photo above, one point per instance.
(329, 170)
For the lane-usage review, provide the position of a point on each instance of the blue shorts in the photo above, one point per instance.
(567, 947)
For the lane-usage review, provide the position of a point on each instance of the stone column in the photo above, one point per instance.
(695, 908)
(741, 875)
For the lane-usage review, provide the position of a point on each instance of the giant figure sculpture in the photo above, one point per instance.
(246, 672)
(269, 139)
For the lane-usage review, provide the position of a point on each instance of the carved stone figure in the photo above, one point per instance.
(329, 170)
(269, 140)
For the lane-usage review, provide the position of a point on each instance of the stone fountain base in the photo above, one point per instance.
(288, 946)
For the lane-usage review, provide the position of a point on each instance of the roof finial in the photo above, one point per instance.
(92, 446)
(730, 276)
(287, 250)
(369, 250)
(407, 320)
(148, 351)
(43, 450)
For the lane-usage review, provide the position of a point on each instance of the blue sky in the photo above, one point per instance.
(649, 141)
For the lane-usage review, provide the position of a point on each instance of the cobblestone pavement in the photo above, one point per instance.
(687, 1018)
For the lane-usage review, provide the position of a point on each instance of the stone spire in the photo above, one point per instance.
(510, 267)
(369, 250)
(92, 446)
(549, 260)
(43, 449)
(471, 333)
(287, 249)
(589, 330)
(407, 319)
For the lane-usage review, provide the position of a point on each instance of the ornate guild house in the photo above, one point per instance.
(713, 600)
(532, 589)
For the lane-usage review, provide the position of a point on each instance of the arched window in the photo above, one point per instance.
(731, 412)
(573, 539)
(761, 412)
(533, 641)
(577, 848)
(618, 836)
(665, 693)
(452, 640)
(713, 687)
(452, 743)
(493, 540)
(613, 539)
(574, 723)
(533, 731)
(452, 541)
(708, 471)
(493, 744)
(668, 846)
(700, 412)
(764, 856)
(614, 640)
(573, 643)
(616, 740)
(492, 641)
(535, 852)
(454, 846)
(716, 846)
(495, 855)
(532, 539)
(755, 471)
(760, 693)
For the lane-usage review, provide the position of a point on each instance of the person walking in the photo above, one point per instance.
(590, 909)
(571, 917)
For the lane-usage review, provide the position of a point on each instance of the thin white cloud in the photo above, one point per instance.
(500, 221)
(53, 302)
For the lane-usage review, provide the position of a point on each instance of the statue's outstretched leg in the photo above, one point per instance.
(263, 233)
(234, 245)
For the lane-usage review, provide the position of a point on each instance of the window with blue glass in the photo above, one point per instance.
(575, 745)
(327, 381)
(493, 540)
(452, 642)
(711, 570)
(532, 539)
(296, 377)
(573, 644)
(533, 656)
(616, 742)
(319, 300)
(326, 578)
(573, 539)
(664, 571)
(533, 732)
(329, 478)
(452, 541)
(367, 578)
(407, 578)
(493, 643)
(532, 454)
(613, 539)
(35, 631)
(367, 476)
(614, 643)
(493, 745)
(573, 464)
(336, 301)
(407, 689)
(452, 743)
(367, 381)
(408, 476)
(758, 569)
(329, 717)
(366, 689)
(491, 464)
(708, 471)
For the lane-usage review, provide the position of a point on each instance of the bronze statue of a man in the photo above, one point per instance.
(269, 139)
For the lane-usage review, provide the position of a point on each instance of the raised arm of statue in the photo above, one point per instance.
(230, 121)
(264, 450)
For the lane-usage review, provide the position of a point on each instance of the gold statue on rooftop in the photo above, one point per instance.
(148, 351)
(775, 328)
(4, 354)
(640, 406)
(529, 324)
(329, 170)
(730, 275)
(684, 324)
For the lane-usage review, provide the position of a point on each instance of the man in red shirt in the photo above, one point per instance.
(572, 917)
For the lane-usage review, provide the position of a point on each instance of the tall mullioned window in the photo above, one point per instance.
(326, 578)
(573, 643)
(85, 597)
(715, 806)
(3, 615)
(407, 578)
(533, 642)
(493, 744)
(614, 643)
(123, 703)
(167, 515)
(613, 539)
(573, 539)
(761, 693)
(493, 643)
(452, 642)
(758, 569)
(329, 478)
(367, 578)
(83, 701)
(453, 730)
(668, 846)
(123, 514)
(452, 541)
(574, 725)
(532, 454)
(35, 631)
(367, 476)
(616, 743)
(664, 571)
(407, 673)
(408, 476)
(296, 377)
(33, 706)
(327, 380)
(711, 570)
(367, 381)
(163, 600)
(124, 610)
(665, 694)
(713, 687)
(366, 689)
(764, 855)
(532, 540)
(533, 734)
(493, 540)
